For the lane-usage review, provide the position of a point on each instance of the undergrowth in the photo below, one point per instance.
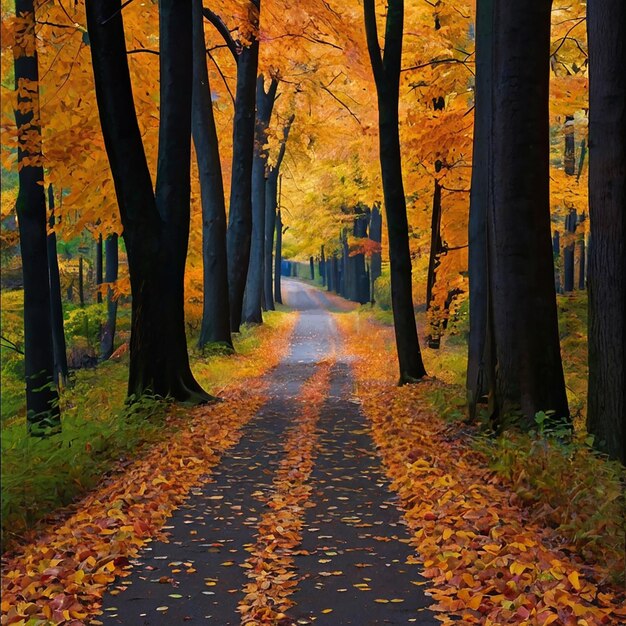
(41, 475)
(563, 482)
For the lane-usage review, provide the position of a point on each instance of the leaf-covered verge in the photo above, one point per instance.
(536, 540)
(101, 435)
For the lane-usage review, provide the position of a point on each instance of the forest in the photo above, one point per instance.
(313, 313)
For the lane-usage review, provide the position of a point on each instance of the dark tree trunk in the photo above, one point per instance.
(99, 269)
(271, 203)
(581, 262)
(568, 253)
(387, 76)
(155, 227)
(56, 304)
(107, 342)
(528, 372)
(322, 266)
(435, 244)
(42, 400)
(239, 232)
(569, 159)
(278, 261)
(81, 281)
(556, 249)
(216, 309)
(480, 357)
(606, 273)
(252, 302)
(360, 275)
(376, 232)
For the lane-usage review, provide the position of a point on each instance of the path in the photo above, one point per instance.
(351, 565)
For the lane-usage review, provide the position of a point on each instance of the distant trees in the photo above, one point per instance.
(607, 209)
(386, 70)
(156, 223)
(514, 351)
(42, 400)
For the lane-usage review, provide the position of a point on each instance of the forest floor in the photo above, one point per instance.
(317, 492)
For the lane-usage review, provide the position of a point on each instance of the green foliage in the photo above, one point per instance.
(567, 486)
(40, 475)
(86, 322)
(382, 290)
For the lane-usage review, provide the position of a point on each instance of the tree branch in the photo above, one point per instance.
(219, 69)
(371, 32)
(222, 29)
(343, 104)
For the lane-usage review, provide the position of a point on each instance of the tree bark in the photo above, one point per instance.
(528, 372)
(56, 304)
(569, 159)
(480, 356)
(216, 307)
(156, 226)
(98, 268)
(360, 275)
(568, 253)
(278, 261)
(240, 211)
(252, 302)
(42, 400)
(387, 77)
(107, 342)
(606, 272)
(435, 244)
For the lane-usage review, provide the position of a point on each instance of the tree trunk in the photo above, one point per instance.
(216, 309)
(606, 273)
(156, 227)
(42, 400)
(271, 191)
(322, 267)
(81, 281)
(107, 341)
(239, 232)
(254, 284)
(556, 249)
(278, 261)
(376, 228)
(480, 357)
(568, 253)
(435, 244)
(360, 276)
(387, 76)
(569, 159)
(99, 269)
(56, 304)
(528, 372)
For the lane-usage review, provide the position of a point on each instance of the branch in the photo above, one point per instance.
(283, 144)
(222, 29)
(147, 50)
(371, 32)
(343, 104)
(10, 345)
(108, 19)
(438, 62)
(219, 69)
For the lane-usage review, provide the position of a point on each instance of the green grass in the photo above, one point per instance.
(41, 475)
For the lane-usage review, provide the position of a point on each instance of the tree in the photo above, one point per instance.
(606, 278)
(386, 70)
(42, 400)
(56, 304)
(111, 257)
(271, 203)
(216, 305)
(156, 222)
(520, 324)
(239, 233)
(254, 283)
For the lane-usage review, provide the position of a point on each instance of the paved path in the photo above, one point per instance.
(352, 562)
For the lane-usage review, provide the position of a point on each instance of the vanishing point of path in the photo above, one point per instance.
(351, 565)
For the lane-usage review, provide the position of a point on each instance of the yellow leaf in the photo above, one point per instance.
(573, 578)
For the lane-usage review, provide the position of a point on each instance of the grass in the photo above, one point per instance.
(39, 476)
